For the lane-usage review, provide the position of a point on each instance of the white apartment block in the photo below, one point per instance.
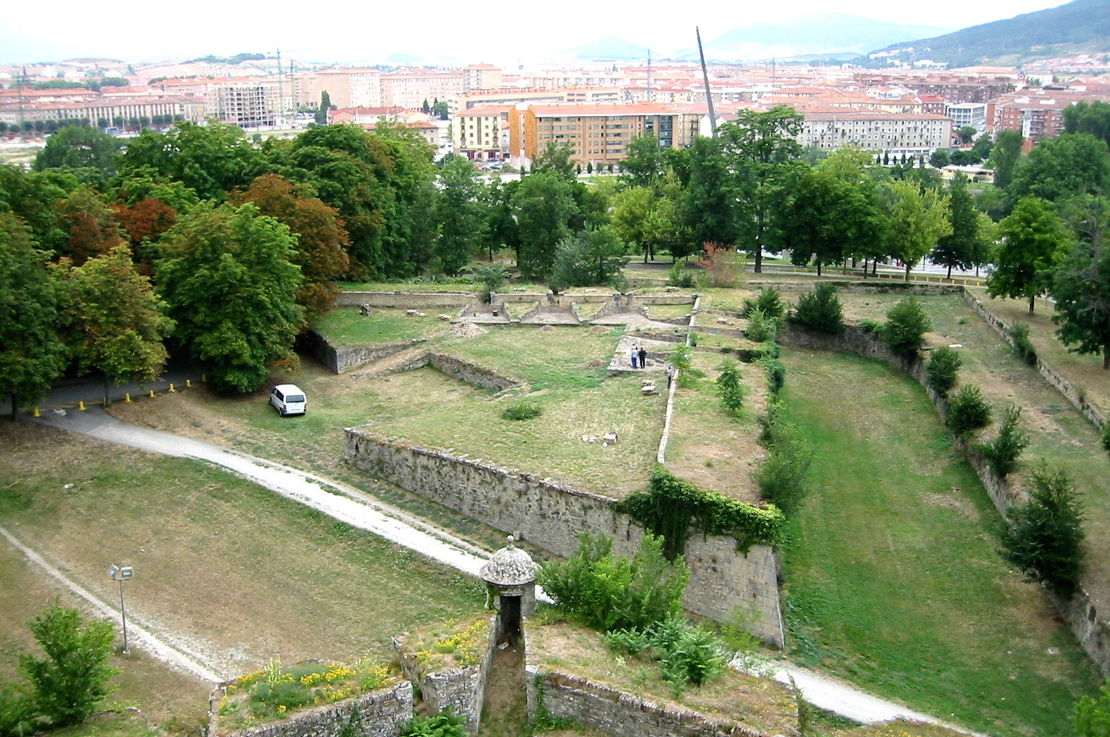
(246, 104)
(912, 134)
(411, 89)
(350, 87)
(964, 114)
(481, 134)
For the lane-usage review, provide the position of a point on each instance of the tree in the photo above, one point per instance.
(828, 218)
(905, 327)
(460, 214)
(1092, 714)
(555, 158)
(32, 196)
(1002, 453)
(1033, 240)
(944, 365)
(321, 238)
(79, 147)
(1045, 535)
(966, 133)
(710, 202)
(117, 321)
(321, 116)
(820, 310)
(230, 286)
(940, 158)
(643, 163)
(90, 224)
(916, 221)
(543, 207)
(32, 353)
(1004, 157)
(967, 411)
(762, 149)
(71, 681)
(963, 245)
(1088, 117)
(1066, 166)
(982, 147)
(1081, 290)
(589, 258)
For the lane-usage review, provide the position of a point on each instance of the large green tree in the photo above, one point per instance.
(916, 220)
(544, 210)
(32, 196)
(960, 248)
(32, 353)
(1069, 165)
(80, 147)
(828, 218)
(1081, 291)
(116, 320)
(1089, 117)
(644, 162)
(1004, 157)
(91, 226)
(230, 286)
(461, 215)
(762, 154)
(710, 201)
(1034, 238)
(589, 258)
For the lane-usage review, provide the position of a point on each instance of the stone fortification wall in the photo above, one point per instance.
(459, 369)
(380, 714)
(550, 516)
(1081, 614)
(407, 300)
(1073, 393)
(462, 690)
(622, 714)
(870, 286)
(340, 358)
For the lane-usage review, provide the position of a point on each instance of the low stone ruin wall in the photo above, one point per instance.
(340, 359)
(868, 286)
(622, 714)
(1081, 614)
(380, 714)
(462, 690)
(462, 370)
(549, 515)
(408, 300)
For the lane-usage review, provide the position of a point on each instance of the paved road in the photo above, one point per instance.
(354, 507)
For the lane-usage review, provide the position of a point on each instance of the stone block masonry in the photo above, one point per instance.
(380, 714)
(723, 580)
(406, 300)
(456, 368)
(339, 359)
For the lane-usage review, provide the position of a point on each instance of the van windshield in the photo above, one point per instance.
(294, 398)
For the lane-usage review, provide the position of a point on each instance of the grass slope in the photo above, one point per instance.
(893, 579)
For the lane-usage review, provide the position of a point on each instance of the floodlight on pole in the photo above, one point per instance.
(121, 574)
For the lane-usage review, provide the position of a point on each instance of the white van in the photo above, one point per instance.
(288, 399)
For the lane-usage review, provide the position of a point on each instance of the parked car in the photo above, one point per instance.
(288, 399)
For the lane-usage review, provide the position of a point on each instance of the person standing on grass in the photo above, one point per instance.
(632, 356)
(643, 357)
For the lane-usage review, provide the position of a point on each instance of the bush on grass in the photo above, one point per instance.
(607, 591)
(944, 365)
(781, 475)
(1002, 453)
(905, 327)
(443, 724)
(1045, 535)
(769, 301)
(820, 310)
(687, 654)
(1023, 349)
(1092, 714)
(730, 387)
(968, 412)
(761, 327)
(17, 713)
(678, 276)
(522, 411)
(776, 374)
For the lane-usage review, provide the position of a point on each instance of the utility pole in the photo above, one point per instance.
(650, 93)
(708, 93)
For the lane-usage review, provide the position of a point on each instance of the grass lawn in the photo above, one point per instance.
(892, 576)
(346, 326)
(239, 572)
(669, 312)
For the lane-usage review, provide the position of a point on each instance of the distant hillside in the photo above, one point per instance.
(814, 35)
(610, 48)
(1077, 27)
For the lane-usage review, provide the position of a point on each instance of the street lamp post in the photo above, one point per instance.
(121, 574)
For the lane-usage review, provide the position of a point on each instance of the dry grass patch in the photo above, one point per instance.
(669, 312)
(347, 326)
(760, 703)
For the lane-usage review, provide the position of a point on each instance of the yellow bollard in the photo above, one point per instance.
(36, 413)
(171, 389)
(81, 406)
(152, 394)
(188, 384)
(127, 398)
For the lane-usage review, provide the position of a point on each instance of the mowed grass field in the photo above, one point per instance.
(233, 570)
(892, 576)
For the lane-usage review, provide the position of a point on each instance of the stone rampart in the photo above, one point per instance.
(868, 286)
(457, 368)
(379, 714)
(1073, 393)
(407, 300)
(340, 358)
(1090, 629)
(550, 515)
(623, 714)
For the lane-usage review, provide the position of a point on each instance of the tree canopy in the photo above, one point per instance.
(1033, 239)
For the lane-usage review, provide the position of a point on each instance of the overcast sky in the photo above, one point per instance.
(349, 31)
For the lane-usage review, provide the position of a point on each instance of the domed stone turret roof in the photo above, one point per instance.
(509, 566)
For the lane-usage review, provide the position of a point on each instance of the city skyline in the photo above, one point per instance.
(433, 32)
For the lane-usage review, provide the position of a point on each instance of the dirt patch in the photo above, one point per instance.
(954, 501)
(467, 330)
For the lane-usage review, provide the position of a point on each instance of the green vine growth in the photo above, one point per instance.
(671, 507)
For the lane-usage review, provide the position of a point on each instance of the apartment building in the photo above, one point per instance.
(965, 114)
(1037, 114)
(598, 134)
(412, 88)
(353, 87)
(482, 133)
(103, 111)
(913, 134)
(479, 77)
(246, 104)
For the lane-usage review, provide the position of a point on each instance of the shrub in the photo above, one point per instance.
(761, 327)
(820, 310)
(905, 327)
(1002, 453)
(730, 388)
(1106, 438)
(607, 591)
(1022, 348)
(1092, 714)
(776, 373)
(72, 680)
(443, 724)
(522, 410)
(678, 276)
(686, 653)
(720, 265)
(287, 693)
(769, 301)
(781, 474)
(17, 713)
(944, 365)
(1045, 535)
(968, 411)
(491, 276)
